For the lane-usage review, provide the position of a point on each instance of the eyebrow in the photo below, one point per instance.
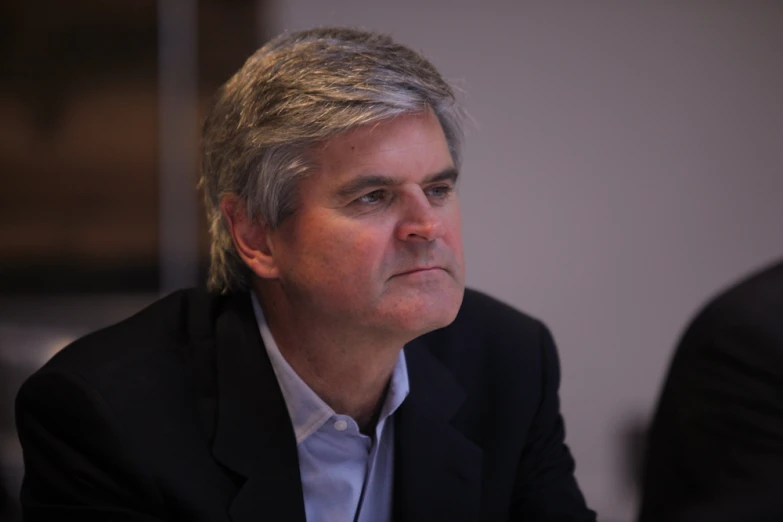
(362, 183)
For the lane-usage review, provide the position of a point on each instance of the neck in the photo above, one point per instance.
(350, 371)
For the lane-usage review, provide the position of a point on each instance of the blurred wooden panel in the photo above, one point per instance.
(79, 138)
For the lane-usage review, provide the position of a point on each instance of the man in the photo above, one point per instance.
(284, 392)
(716, 444)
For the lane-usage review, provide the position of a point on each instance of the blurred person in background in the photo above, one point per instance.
(715, 451)
(335, 368)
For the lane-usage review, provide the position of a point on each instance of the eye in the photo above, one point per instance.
(373, 198)
(440, 191)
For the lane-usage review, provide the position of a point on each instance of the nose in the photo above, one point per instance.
(419, 221)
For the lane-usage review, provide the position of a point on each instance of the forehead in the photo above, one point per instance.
(407, 145)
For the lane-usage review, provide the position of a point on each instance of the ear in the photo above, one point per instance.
(251, 238)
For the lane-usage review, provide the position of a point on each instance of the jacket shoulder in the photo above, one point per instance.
(481, 311)
(490, 333)
(163, 330)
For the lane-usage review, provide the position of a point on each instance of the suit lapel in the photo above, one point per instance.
(254, 437)
(437, 468)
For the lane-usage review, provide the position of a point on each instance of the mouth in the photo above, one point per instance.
(420, 270)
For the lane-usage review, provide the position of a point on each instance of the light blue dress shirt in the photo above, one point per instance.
(346, 476)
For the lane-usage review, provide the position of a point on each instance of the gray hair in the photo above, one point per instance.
(298, 90)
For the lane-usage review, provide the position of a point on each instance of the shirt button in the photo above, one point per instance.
(340, 425)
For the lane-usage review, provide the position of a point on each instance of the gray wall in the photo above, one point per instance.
(624, 164)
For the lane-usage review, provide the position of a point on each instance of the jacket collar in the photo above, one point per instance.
(437, 469)
(254, 437)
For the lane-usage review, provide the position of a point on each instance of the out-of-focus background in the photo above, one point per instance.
(624, 162)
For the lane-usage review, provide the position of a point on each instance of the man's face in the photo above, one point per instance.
(375, 243)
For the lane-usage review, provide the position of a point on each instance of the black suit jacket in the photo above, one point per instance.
(176, 414)
(716, 444)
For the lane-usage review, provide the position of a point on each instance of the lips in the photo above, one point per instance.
(420, 269)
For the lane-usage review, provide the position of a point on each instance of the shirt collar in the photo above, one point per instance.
(307, 410)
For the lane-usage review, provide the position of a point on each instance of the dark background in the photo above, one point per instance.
(81, 169)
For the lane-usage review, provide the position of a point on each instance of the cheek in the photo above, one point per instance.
(342, 256)
(364, 254)
(453, 236)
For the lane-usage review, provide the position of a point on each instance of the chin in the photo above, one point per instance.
(428, 312)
